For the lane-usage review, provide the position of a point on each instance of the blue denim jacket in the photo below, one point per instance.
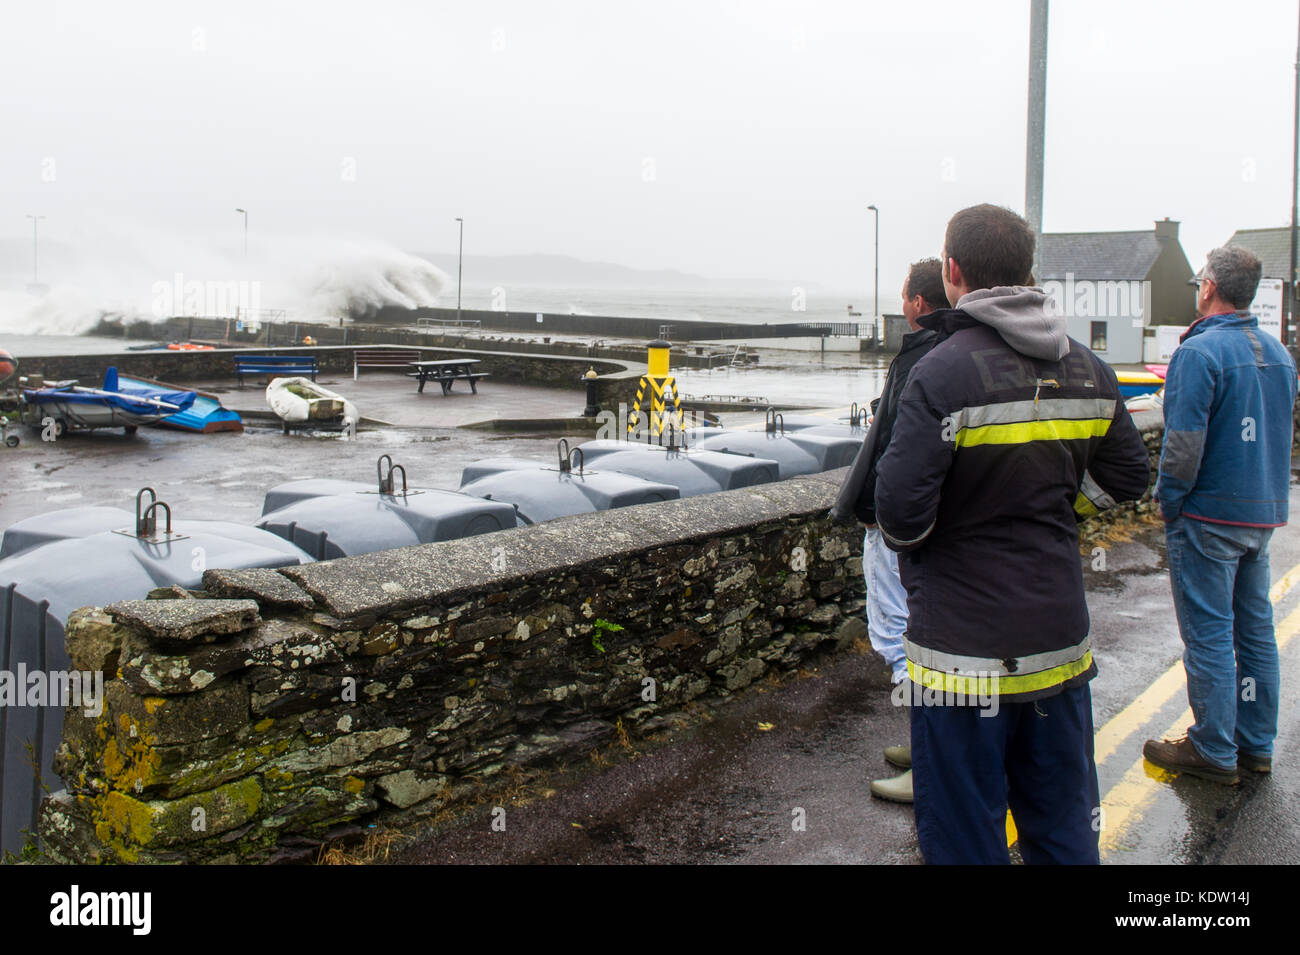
(1227, 450)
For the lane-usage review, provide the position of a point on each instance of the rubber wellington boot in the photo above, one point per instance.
(898, 789)
(900, 756)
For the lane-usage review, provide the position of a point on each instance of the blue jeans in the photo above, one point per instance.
(1220, 580)
(886, 602)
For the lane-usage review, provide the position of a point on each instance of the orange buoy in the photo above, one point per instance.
(8, 366)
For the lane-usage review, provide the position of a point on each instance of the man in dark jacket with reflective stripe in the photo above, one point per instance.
(1007, 432)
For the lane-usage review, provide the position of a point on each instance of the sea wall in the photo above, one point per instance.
(275, 711)
(290, 334)
(605, 326)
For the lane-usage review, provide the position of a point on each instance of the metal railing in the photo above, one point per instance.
(844, 329)
(261, 316)
(473, 323)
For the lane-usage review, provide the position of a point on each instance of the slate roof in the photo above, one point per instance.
(1273, 246)
(1105, 256)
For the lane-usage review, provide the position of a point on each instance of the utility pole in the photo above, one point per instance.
(245, 231)
(460, 268)
(875, 288)
(1295, 186)
(36, 273)
(1036, 125)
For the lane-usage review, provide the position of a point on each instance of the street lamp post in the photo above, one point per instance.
(460, 267)
(875, 309)
(36, 273)
(245, 215)
(1035, 127)
(1289, 295)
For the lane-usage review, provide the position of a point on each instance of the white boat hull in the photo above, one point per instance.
(301, 403)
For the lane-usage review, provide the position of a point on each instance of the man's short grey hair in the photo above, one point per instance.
(1236, 273)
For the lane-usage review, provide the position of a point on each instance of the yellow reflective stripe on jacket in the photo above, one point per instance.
(994, 684)
(1025, 431)
(1019, 422)
(946, 662)
(1092, 498)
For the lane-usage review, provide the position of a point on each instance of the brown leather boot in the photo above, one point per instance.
(1256, 764)
(1181, 756)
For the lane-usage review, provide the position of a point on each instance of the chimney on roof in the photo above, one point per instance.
(1166, 228)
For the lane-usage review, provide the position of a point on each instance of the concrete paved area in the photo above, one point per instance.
(392, 398)
(224, 476)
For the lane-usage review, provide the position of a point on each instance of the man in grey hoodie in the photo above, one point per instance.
(1007, 433)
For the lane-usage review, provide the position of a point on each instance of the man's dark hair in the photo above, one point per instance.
(925, 278)
(1235, 272)
(993, 246)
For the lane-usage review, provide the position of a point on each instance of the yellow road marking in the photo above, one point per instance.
(1128, 720)
(1284, 585)
(1131, 795)
(1134, 792)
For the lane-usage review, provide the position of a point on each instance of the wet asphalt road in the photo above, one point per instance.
(724, 790)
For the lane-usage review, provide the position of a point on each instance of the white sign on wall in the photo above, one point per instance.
(1167, 339)
(1267, 306)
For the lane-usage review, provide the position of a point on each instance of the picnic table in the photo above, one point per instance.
(446, 372)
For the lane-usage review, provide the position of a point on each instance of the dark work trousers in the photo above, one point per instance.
(1034, 757)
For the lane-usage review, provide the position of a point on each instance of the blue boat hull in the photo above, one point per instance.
(205, 416)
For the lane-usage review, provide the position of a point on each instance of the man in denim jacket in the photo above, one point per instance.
(1223, 486)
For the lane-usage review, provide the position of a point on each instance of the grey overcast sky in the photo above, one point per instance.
(730, 139)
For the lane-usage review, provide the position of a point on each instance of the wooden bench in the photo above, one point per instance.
(277, 365)
(382, 358)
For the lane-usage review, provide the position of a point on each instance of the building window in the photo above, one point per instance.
(1098, 336)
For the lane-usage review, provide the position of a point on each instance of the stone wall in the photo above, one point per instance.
(1097, 529)
(274, 711)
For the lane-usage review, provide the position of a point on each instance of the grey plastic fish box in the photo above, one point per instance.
(791, 456)
(541, 493)
(691, 471)
(329, 518)
(830, 448)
